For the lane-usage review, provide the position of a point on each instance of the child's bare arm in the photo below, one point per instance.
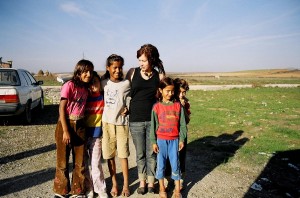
(63, 119)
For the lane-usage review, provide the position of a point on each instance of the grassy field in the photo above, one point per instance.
(264, 120)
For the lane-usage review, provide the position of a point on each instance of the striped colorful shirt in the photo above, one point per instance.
(94, 110)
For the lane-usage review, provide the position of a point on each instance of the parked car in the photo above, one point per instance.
(20, 93)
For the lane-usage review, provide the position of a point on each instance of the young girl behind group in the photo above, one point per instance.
(182, 87)
(115, 121)
(70, 132)
(94, 110)
(167, 134)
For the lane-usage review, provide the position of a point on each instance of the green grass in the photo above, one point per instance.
(224, 80)
(48, 80)
(269, 119)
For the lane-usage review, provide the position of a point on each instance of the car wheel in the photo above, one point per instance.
(27, 115)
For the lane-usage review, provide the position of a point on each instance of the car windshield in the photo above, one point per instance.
(9, 77)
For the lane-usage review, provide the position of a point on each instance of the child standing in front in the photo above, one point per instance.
(167, 134)
(115, 122)
(94, 110)
(70, 132)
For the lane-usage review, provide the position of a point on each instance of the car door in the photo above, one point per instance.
(24, 90)
(36, 91)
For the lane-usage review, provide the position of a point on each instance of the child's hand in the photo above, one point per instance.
(66, 138)
(181, 145)
(125, 111)
(155, 148)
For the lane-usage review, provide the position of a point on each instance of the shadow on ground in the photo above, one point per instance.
(21, 182)
(25, 154)
(205, 154)
(280, 178)
(49, 115)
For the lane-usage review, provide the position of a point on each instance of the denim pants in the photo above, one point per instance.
(145, 157)
(168, 149)
(77, 147)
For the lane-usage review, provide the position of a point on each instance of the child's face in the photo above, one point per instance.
(144, 64)
(115, 70)
(86, 75)
(167, 93)
(182, 93)
(95, 86)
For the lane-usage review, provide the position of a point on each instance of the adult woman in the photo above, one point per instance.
(144, 85)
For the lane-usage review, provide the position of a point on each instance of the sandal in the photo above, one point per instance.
(114, 192)
(163, 194)
(141, 190)
(125, 192)
(151, 190)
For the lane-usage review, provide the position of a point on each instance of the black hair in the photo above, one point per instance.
(82, 66)
(109, 61)
(167, 81)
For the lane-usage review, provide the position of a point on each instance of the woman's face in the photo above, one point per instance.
(144, 64)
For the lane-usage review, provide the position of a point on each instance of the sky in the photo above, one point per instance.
(191, 35)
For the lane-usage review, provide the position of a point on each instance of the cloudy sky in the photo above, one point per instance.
(191, 35)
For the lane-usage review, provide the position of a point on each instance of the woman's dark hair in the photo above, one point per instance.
(82, 66)
(167, 81)
(152, 55)
(109, 61)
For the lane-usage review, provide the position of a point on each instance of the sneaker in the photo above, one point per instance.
(103, 195)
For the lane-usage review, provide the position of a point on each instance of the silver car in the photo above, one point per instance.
(20, 93)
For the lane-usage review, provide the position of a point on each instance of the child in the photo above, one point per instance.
(167, 134)
(70, 132)
(115, 122)
(94, 110)
(182, 87)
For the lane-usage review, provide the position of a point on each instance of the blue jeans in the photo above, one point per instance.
(145, 157)
(168, 149)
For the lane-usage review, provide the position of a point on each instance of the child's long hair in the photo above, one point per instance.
(81, 67)
(109, 61)
(167, 81)
(152, 55)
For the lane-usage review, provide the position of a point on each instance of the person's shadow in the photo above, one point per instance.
(280, 178)
(206, 153)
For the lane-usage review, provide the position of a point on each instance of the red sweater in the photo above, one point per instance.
(167, 122)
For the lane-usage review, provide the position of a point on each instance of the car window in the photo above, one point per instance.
(31, 78)
(9, 77)
(27, 79)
